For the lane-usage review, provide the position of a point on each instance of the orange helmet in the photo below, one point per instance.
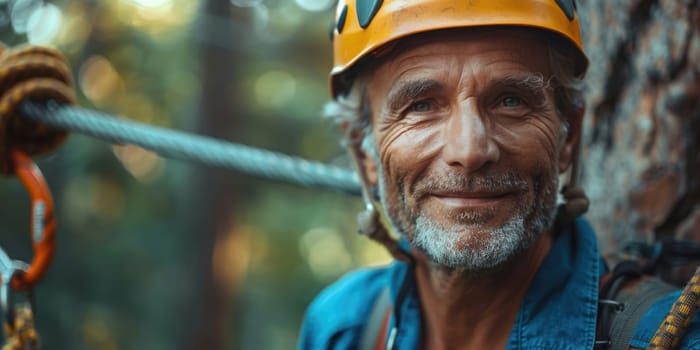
(362, 26)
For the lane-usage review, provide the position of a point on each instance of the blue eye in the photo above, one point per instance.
(421, 106)
(511, 101)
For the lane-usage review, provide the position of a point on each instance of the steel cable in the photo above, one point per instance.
(185, 146)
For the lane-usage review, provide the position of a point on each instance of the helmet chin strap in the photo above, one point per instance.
(575, 155)
(372, 221)
(575, 200)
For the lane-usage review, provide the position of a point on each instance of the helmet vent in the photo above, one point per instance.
(366, 9)
(340, 24)
(341, 19)
(569, 8)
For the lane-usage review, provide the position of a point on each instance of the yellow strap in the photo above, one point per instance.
(21, 335)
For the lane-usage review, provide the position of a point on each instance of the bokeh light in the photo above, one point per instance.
(91, 198)
(288, 17)
(20, 13)
(325, 252)
(144, 165)
(261, 18)
(98, 79)
(43, 24)
(152, 4)
(155, 16)
(274, 89)
(96, 330)
(231, 256)
(74, 30)
(314, 5)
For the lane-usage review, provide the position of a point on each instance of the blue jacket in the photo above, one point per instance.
(558, 312)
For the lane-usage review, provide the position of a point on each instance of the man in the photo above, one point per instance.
(462, 116)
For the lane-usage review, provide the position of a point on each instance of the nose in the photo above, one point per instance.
(468, 143)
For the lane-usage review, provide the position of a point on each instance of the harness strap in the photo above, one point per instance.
(608, 305)
(637, 301)
(377, 327)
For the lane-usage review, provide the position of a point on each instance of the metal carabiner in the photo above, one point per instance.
(42, 222)
(8, 269)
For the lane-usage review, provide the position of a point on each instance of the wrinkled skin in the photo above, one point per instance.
(467, 155)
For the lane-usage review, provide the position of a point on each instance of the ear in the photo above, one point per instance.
(366, 165)
(569, 150)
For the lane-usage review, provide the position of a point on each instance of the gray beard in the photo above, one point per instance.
(442, 244)
(452, 248)
(455, 246)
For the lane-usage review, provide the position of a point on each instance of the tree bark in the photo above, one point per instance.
(641, 146)
(213, 194)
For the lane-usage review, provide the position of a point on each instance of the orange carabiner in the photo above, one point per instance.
(43, 221)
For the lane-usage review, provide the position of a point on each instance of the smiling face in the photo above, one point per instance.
(466, 144)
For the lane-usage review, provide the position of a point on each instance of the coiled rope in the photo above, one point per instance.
(185, 146)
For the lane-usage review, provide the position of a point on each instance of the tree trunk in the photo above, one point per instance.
(641, 146)
(213, 193)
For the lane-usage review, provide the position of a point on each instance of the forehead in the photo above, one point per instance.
(499, 50)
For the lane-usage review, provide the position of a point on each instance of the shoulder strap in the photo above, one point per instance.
(377, 326)
(636, 300)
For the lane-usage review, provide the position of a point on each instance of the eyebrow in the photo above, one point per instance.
(410, 90)
(532, 84)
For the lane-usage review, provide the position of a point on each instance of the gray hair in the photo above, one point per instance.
(351, 110)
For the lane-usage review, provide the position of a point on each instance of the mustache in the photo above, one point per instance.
(452, 182)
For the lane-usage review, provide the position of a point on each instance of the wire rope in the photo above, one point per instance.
(189, 147)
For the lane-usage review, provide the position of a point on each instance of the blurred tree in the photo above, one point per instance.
(214, 194)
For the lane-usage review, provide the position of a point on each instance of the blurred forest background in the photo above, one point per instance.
(160, 254)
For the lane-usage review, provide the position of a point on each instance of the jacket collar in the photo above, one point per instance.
(564, 292)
